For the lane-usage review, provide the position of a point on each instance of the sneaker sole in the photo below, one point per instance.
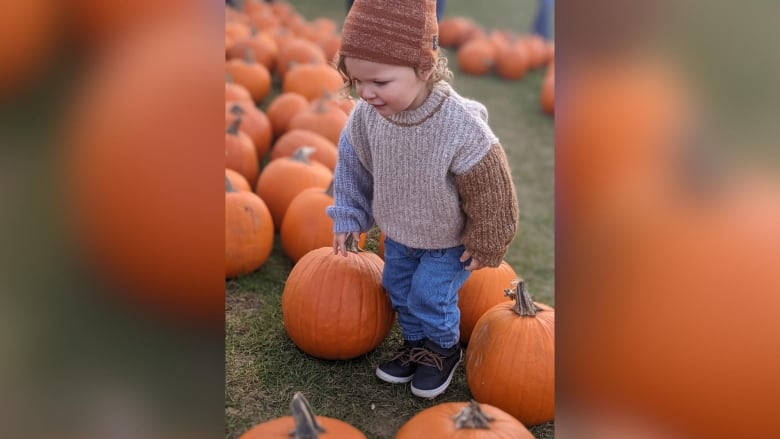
(432, 393)
(391, 378)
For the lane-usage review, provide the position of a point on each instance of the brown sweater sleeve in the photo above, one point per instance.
(489, 201)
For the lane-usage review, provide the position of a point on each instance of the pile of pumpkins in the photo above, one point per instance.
(280, 154)
(503, 52)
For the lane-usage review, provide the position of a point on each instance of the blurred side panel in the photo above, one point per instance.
(668, 221)
(112, 269)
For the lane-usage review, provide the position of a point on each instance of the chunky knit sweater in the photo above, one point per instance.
(433, 177)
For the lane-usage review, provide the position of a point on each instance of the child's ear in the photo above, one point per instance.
(425, 75)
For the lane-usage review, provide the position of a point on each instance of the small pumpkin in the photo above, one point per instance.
(238, 181)
(312, 80)
(512, 61)
(306, 226)
(262, 45)
(463, 420)
(251, 74)
(283, 179)
(240, 154)
(249, 232)
(477, 57)
(324, 152)
(282, 109)
(482, 290)
(324, 116)
(298, 51)
(510, 360)
(334, 307)
(254, 123)
(303, 424)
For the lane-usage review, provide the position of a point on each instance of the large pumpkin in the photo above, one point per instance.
(510, 361)
(463, 420)
(303, 424)
(334, 307)
(483, 289)
(249, 231)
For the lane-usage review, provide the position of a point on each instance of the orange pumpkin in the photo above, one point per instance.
(453, 31)
(325, 151)
(238, 181)
(240, 154)
(510, 360)
(283, 179)
(249, 232)
(306, 226)
(130, 211)
(334, 307)
(324, 116)
(303, 423)
(298, 51)
(312, 80)
(262, 46)
(254, 123)
(512, 61)
(477, 57)
(483, 289)
(463, 420)
(237, 92)
(282, 109)
(252, 75)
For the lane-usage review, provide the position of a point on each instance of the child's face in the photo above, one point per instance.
(389, 89)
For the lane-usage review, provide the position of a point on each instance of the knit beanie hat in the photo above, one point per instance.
(397, 32)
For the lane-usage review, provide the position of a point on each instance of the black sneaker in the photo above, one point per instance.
(435, 367)
(400, 368)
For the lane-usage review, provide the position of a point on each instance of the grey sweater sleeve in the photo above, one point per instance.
(352, 192)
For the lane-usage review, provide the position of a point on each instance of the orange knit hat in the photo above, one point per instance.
(398, 32)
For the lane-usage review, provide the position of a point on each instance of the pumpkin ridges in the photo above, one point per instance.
(439, 422)
(481, 291)
(323, 299)
(520, 381)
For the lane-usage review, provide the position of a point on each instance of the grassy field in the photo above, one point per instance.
(264, 368)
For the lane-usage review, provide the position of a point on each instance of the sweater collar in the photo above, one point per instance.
(441, 90)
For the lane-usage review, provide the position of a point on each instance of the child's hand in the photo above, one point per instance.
(339, 240)
(474, 264)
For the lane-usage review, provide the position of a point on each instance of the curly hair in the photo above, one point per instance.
(441, 72)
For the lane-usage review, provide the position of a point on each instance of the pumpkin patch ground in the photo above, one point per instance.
(263, 366)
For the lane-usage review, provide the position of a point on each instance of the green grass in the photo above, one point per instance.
(264, 368)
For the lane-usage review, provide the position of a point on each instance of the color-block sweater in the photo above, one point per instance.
(433, 177)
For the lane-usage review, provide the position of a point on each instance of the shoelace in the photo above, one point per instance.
(404, 354)
(427, 358)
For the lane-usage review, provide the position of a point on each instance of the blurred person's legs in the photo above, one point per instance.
(542, 24)
(440, 4)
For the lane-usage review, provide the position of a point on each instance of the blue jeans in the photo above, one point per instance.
(423, 288)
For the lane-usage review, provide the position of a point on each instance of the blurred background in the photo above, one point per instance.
(666, 219)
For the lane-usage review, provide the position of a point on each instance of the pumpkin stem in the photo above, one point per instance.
(306, 425)
(303, 153)
(228, 186)
(524, 305)
(234, 126)
(472, 416)
(236, 109)
(249, 56)
(351, 244)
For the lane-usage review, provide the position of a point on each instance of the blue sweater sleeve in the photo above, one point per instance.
(353, 189)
